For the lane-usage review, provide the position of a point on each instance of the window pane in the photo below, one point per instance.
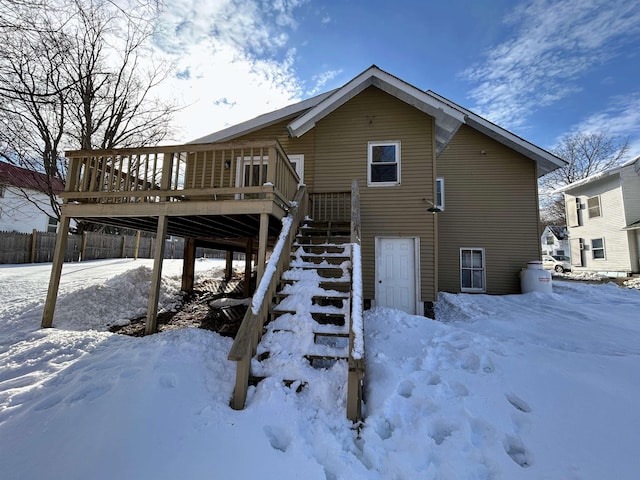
(466, 278)
(466, 259)
(598, 253)
(477, 259)
(596, 243)
(384, 173)
(477, 279)
(253, 179)
(439, 195)
(383, 154)
(593, 204)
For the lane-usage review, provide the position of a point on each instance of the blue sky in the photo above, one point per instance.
(541, 68)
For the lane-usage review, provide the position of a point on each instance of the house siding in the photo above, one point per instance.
(20, 214)
(400, 211)
(608, 226)
(491, 202)
(630, 181)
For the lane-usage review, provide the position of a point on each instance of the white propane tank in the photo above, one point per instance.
(534, 278)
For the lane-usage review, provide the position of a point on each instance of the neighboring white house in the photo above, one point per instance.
(555, 241)
(24, 206)
(603, 217)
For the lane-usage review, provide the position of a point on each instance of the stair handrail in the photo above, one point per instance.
(355, 380)
(251, 328)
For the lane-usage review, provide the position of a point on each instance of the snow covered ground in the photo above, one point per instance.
(535, 386)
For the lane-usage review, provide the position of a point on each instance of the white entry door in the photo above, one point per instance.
(396, 273)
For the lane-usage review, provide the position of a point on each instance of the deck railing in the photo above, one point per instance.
(211, 171)
(330, 206)
(355, 380)
(251, 329)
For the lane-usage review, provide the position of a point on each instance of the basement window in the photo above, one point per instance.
(472, 270)
(384, 164)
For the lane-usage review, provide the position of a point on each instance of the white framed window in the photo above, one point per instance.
(597, 248)
(593, 206)
(440, 193)
(472, 270)
(384, 164)
(52, 225)
(251, 172)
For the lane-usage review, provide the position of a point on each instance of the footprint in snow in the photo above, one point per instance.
(405, 389)
(384, 429)
(515, 449)
(278, 437)
(518, 403)
(441, 430)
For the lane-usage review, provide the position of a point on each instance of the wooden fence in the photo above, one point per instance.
(37, 247)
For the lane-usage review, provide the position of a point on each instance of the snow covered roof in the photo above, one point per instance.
(448, 115)
(600, 175)
(23, 178)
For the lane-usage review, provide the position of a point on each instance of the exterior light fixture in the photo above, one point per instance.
(433, 208)
(227, 163)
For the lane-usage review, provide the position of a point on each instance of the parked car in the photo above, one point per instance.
(559, 263)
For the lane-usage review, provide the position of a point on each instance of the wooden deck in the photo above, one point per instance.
(228, 195)
(204, 190)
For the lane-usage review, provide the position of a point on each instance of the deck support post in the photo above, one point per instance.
(56, 271)
(154, 292)
(228, 269)
(135, 250)
(262, 245)
(248, 253)
(189, 265)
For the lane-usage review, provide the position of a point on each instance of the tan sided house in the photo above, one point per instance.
(435, 198)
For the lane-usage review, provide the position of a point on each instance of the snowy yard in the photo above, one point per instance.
(535, 386)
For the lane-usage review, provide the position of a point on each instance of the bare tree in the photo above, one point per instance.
(586, 154)
(72, 76)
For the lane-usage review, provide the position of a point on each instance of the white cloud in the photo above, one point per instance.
(555, 43)
(231, 60)
(321, 80)
(621, 119)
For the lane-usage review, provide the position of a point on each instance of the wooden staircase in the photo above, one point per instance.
(316, 322)
(309, 327)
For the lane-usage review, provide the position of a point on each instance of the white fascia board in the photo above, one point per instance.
(545, 160)
(593, 178)
(448, 118)
(261, 121)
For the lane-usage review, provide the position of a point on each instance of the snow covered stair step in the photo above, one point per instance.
(323, 239)
(319, 258)
(324, 248)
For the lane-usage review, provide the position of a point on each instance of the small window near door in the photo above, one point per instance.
(597, 248)
(384, 164)
(472, 270)
(593, 205)
(440, 193)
